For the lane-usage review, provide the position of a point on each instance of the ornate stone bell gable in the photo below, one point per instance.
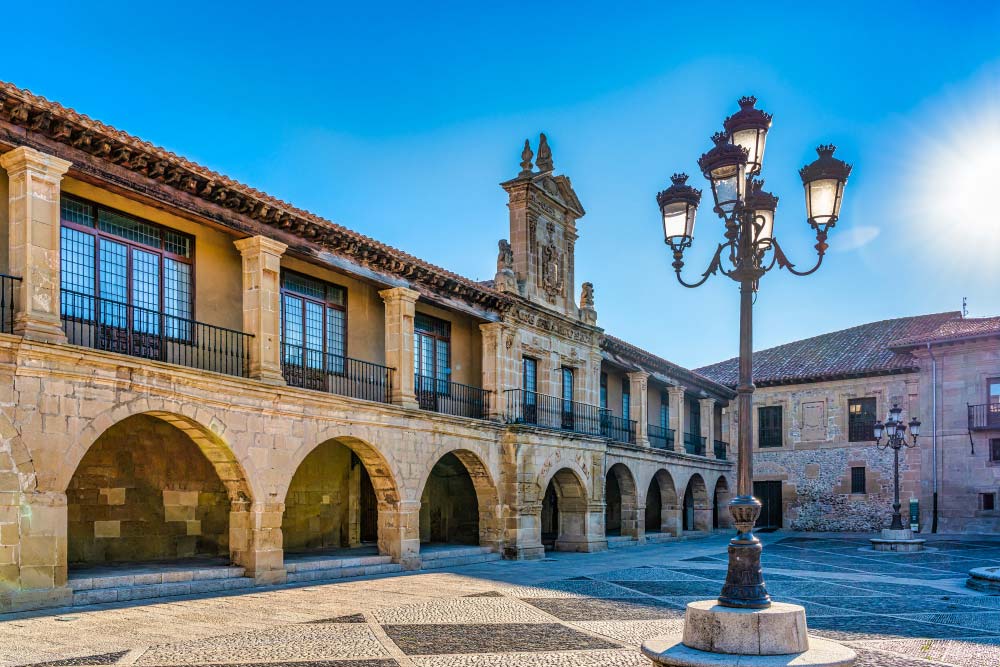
(543, 214)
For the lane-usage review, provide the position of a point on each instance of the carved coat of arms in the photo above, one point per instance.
(552, 273)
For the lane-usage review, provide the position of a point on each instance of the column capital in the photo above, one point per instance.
(399, 294)
(40, 164)
(707, 401)
(675, 389)
(259, 244)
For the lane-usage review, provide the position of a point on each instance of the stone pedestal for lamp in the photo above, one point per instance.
(900, 541)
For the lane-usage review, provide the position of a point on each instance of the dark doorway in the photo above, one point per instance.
(654, 508)
(613, 505)
(769, 494)
(449, 506)
(550, 517)
(688, 513)
(368, 506)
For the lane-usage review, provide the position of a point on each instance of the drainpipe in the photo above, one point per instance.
(934, 440)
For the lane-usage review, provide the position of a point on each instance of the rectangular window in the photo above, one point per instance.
(769, 426)
(432, 353)
(529, 382)
(604, 391)
(313, 326)
(664, 410)
(858, 480)
(993, 389)
(626, 398)
(988, 502)
(995, 449)
(567, 397)
(125, 273)
(861, 419)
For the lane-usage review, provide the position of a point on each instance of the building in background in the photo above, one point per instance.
(191, 368)
(816, 466)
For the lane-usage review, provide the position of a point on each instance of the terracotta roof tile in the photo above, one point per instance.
(651, 362)
(953, 330)
(858, 351)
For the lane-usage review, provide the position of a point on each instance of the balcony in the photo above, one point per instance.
(618, 429)
(334, 374)
(984, 417)
(534, 409)
(660, 437)
(721, 448)
(452, 398)
(694, 444)
(112, 326)
(9, 286)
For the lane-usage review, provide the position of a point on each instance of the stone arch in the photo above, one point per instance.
(721, 495)
(621, 502)
(564, 511)
(697, 508)
(459, 476)
(154, 484)
(663, 512)
(341, 494)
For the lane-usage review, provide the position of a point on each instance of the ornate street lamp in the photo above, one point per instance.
(747, 213)
(895, 437)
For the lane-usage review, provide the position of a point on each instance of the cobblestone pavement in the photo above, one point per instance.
(585, 610)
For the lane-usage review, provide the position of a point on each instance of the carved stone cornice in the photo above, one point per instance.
(109, 154)
(528, 314)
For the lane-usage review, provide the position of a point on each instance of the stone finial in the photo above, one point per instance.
(526, 156)
(505, 281)
(587, 311)
(544, 154)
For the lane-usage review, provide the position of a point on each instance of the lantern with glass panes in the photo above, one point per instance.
(748, 250)
(894, 430)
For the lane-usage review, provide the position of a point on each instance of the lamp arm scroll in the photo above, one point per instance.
(714, 266)
(782, 260)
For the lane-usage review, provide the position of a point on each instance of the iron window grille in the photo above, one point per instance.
(769, 427)
(432, 354)
(861, 419)
(313, 329)
(988, 502)
(858, 480)
(995, 449)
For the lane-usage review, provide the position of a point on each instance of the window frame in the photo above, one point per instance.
(162, 253)
(989, 391)
(602, 401)
(861, 401)
(779, 429)
(664, 410)
(626, 405)
(857, 481)
(442, 386)
(983, 495)
(567, 404)
(994, 452)
(324, 304)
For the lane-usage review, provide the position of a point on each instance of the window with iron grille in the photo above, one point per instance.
(604, 391)
(664, 410)
(124, 272)
(988, 502)
(313, 323)
(432, 352)
(995, 449)
(858, 479)
(567, 397)
(626, 398)
(769, 426)
(861, 419)
(529, 380)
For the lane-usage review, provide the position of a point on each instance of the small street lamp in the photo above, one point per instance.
(895, 437)
(749, 250)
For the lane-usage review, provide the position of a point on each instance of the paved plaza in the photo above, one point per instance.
(571, 609)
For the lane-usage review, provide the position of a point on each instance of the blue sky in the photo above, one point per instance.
(399, 121)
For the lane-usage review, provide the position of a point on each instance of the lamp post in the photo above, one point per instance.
(895, 437)
(748, 251)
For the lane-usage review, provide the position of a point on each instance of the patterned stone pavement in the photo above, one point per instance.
(896, 610)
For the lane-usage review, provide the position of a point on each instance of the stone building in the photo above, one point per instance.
(191, 368)
(816, 466)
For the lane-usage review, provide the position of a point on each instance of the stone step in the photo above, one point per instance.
(103, 592)
(150, 577)
(619, 541)
(293, 565)
(343, 572)
(453, 552)
(457, 557)
(659, 537)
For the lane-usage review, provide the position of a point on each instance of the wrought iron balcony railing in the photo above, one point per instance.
(861, 430)
(721, 448)
(618, 429)
(984, 417)
(112, 326)
(332, 373)
(660, 437)
(452, 398)
(529, 407)
(694, 444)
(9, 286)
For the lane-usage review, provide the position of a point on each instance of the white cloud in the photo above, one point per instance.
(853, 238)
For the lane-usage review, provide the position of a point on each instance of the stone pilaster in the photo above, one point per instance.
(500, 368)
(675, 396)
(638, 382)
(400, 311)
(399, 532)
(262, 305)
(34, 240)
(707, 407)
(256, 542)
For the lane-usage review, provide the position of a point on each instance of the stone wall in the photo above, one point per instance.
(317, 506)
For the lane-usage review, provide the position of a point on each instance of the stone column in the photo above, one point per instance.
(39, 559)
(34, 240)
(675, 395)
(707, 406)
(255, 540)
(262, 305)
(399, 532)
(500, 368)
(638, 382)
(399, 315)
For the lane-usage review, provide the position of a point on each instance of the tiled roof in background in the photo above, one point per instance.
(858, 351)
(953, 330)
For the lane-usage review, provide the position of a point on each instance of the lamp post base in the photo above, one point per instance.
(715, 635)
(744, 587)
(901, 540)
